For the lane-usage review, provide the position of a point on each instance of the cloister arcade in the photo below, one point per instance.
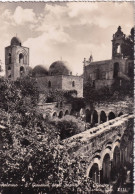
(106, 165)
(92, 117)
(98, 117)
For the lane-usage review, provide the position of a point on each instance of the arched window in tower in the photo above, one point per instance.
(9, 58)
(118, 49)
(9, 68)
(73, 83)
(21, 58)
(9, 72)
(21, 71)
(49, 84)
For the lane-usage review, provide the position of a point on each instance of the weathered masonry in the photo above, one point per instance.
(101, 150)
(104, 73)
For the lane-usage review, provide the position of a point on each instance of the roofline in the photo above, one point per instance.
(92, 63)
(16, 46)
(59, 76)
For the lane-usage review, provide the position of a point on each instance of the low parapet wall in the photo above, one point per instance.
(82, 151)
(95, 137)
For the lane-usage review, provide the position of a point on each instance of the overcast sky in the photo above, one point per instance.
(68, 31)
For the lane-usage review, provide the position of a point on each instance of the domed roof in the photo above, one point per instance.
(39, 71)
(16, 41)
(58, 68)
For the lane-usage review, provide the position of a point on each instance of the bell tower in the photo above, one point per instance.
(118, 39)
(16, 60)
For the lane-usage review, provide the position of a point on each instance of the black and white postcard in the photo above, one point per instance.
(66, 97)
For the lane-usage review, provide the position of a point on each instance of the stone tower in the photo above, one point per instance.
(16, 60)
(118, 39)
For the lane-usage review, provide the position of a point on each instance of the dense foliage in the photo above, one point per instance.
(29, 144)
(128, 46)
(115, 93)
(58, 95)
(30, 153)
(31, 141)
(68, 126)
(20, 96)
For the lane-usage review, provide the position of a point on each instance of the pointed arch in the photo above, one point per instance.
(103, 117)
(22, 71)
(54, 115)
(95, 160)
(88, 116)
(106, 168)
(21, 58)
(111, 116)
(60, 114)
(66, 112)
(22, 54)
(9, 72)
(94, 172)
(120, 114)
(95, 116)
(9, 58)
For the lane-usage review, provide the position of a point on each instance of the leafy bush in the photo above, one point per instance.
(31, 153)
(20, 96)
(68, 126)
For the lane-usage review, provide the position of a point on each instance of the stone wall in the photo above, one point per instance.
(92, 145)
(43, 83)
(70, 82)
(101, 73)
(61, 82)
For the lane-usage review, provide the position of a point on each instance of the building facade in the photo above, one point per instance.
(58, 76)
(61, 82)
(104, 73)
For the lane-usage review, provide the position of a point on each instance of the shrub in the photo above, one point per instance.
(68, 126)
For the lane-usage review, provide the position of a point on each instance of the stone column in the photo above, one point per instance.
(107, 117)
(98, 118)
(99, 177)
(95, 177)
(91, 118)
(109, 172)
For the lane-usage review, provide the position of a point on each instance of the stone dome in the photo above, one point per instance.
(39, 71)
(16, 41)
(58, 68)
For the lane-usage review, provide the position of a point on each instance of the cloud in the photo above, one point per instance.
(69, 30)
(74, 30)
(23, 15)
(20, 16)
